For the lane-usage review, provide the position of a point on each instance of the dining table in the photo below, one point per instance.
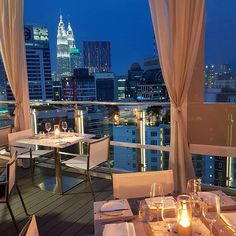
(200, 226)
(58, 183)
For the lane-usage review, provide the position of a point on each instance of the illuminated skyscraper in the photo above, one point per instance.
(97, 56)
(38, 64)
(210, 76)
(68, 56)
(63, 55)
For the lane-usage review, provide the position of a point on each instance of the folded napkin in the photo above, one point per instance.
(226, 202)
(119, 229)
(170, 201)
(114, 205)
(230, 219)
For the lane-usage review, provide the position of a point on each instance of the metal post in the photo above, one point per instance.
(79, 127)
(140, 118)
(33, 113)
(229, 163)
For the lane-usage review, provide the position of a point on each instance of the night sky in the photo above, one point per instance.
(127, 24)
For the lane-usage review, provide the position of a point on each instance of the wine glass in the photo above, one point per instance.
(169, 213)
(64, 126)
(145, 213)
(48, 126)
(156, 197)
(211, 209)
(193, 187)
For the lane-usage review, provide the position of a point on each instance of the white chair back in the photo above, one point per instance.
(138, 184)
(4, 131)
(11, 172)
(99, 151)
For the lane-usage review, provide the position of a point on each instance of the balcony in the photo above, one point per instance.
(140, 136)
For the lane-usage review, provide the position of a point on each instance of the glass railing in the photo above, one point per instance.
(140, 135)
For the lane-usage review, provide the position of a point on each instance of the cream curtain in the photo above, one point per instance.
(178, 29)
(12, 49)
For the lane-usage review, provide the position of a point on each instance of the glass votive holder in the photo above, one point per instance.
(184, 215)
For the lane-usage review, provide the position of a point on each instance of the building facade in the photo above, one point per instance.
(97, 56)
(38, 63)
(105, 87)
(68, 56)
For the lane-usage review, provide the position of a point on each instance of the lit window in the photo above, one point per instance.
(210, 176)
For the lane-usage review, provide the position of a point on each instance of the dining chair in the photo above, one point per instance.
(26, 151)
(8, 185)
(4, 131)
(30, 228)
(137, 184)
(98, 153)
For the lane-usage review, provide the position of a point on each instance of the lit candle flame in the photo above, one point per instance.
(57, 132)
(184, 218)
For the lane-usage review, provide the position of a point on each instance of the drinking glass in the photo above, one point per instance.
(64, 126)
(211, 209)
(145, 213)
(48, 126)
(156, 197)
(169, 213)
(193, 187)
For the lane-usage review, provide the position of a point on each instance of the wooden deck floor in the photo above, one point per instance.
(68, 214)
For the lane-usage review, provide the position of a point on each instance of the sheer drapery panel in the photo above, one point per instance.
(12, 48)
(178, 30)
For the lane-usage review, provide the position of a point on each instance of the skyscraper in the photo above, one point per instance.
(97, 56)
(68, 56)
(105, 86)
(63, 54)
(38, 62)
(3, 81)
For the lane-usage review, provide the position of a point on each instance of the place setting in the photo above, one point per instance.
(193, 213)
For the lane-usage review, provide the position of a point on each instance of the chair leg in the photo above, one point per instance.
(90, 184)
(12, 216)
(22, 201)
(109, 166)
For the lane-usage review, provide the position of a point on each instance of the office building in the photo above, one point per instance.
(38, 63)
(126, 158)
(97, 56)
(210, 76)
(120, 86)
(74, 59)
(86, 87)
(69, 88)
(63, 55)
(135, 75)
(152, 86)
(68, 56)
(105, 87)
(3, 81)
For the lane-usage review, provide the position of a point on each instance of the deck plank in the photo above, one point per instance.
(67, 214)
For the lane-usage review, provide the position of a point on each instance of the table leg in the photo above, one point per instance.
(58, 174)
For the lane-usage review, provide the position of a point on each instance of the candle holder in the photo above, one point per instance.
(57, 131)
(184, 215)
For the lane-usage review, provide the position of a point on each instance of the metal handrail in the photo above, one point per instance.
(38, 103)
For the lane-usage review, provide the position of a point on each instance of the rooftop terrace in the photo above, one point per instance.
(68, 214)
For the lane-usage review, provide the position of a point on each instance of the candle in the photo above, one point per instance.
(57, 132)
(184, 216)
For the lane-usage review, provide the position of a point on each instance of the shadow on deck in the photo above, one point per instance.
(68, 214)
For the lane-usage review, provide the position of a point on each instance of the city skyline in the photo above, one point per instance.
(129, 28)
